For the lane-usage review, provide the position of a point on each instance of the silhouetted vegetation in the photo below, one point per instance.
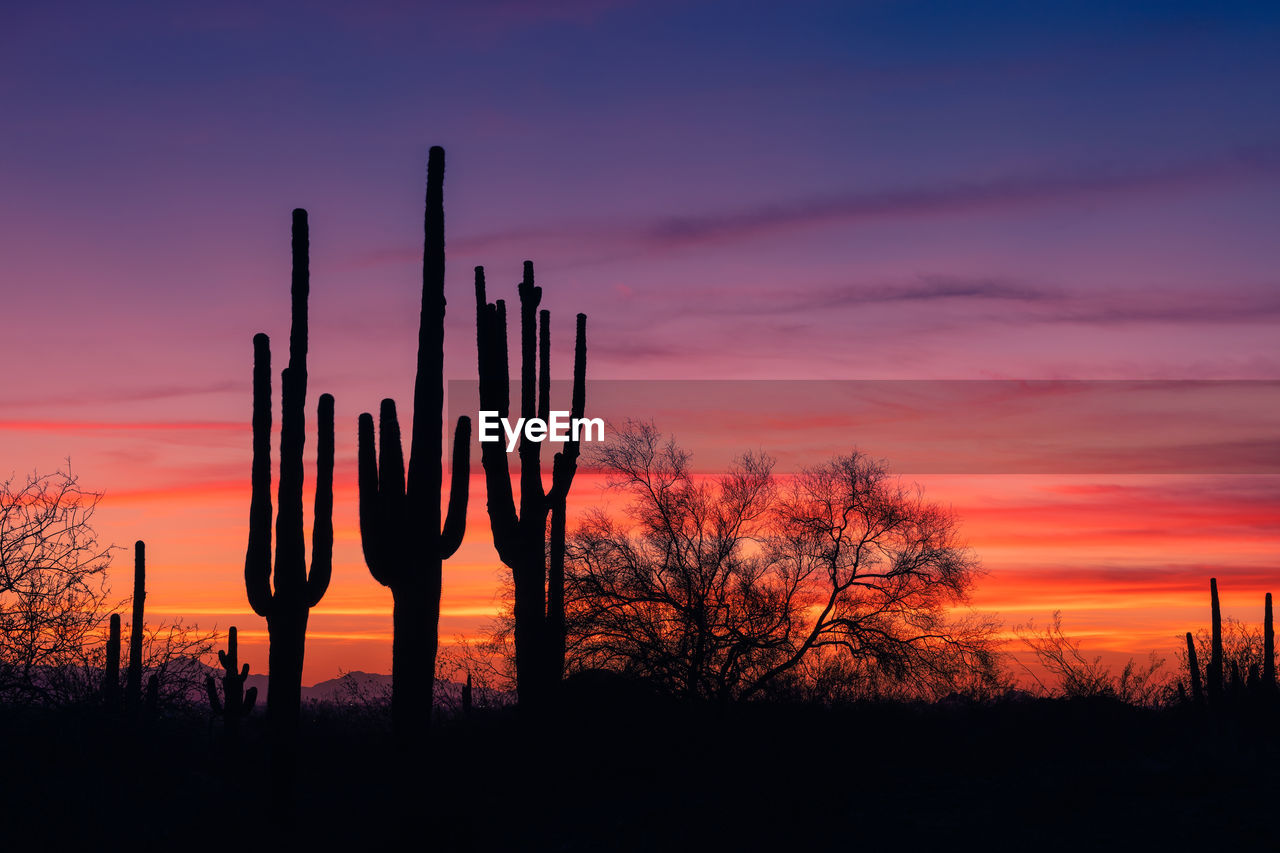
(400, 530)
(520, 538)
(287, 602)
(1079, 676)
(739, 587)
(236, 702)
(1241, 668)
(738, 661)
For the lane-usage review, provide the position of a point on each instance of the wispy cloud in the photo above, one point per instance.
(999, 194)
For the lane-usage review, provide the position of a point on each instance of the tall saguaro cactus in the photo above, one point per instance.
(133, 682)
(1214, 673)
(400, 529)
(520, 536)
(287, 602)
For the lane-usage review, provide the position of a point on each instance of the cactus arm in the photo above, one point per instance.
(544, 365)
(322, 525)
(455, 523)
(530, 297)
(491, 352)
(565, 463)
(391, 461)
(371, 522)
(250, 698)
(211, 688)
(532, 496)
(257, 563)
(504, 357)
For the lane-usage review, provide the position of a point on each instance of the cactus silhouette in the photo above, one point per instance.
(236, 702)
(133, 682)
(520, 537)
(1268, 649)
(287, 605)
(400, 529)
(1214, 674)
(1193, 667)
(111, 675)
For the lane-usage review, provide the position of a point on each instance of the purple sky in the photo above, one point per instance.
(736, 190)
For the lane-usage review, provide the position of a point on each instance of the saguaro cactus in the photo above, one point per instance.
(1214, 674)
(520, 537)
(287, 606)
(1193, 667)
(1268, 649)
(133, 683)
(111, 675)
(236, 702)
(400, 530)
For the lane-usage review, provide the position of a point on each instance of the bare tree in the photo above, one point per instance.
(733, 586)
(55, 602)
(1080, 676)
(52, 584)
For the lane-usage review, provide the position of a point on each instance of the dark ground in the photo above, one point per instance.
(643, 774)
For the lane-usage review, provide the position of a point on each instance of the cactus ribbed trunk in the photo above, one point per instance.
(404, 543)
(1193, 668)
(111, 675)
(1268, 649)
(413, 656)
(1214, 674)
(521, 538)
(133, 686)
(284, 592)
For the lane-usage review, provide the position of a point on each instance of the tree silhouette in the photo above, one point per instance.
(400, 530)
(52, 587)
(724, 587)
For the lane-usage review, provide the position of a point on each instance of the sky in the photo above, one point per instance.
(730, 190)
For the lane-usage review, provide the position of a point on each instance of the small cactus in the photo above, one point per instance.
(237, 702)
(111, 676)
(1193, 666)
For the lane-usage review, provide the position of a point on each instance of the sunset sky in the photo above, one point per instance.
(731, 191)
